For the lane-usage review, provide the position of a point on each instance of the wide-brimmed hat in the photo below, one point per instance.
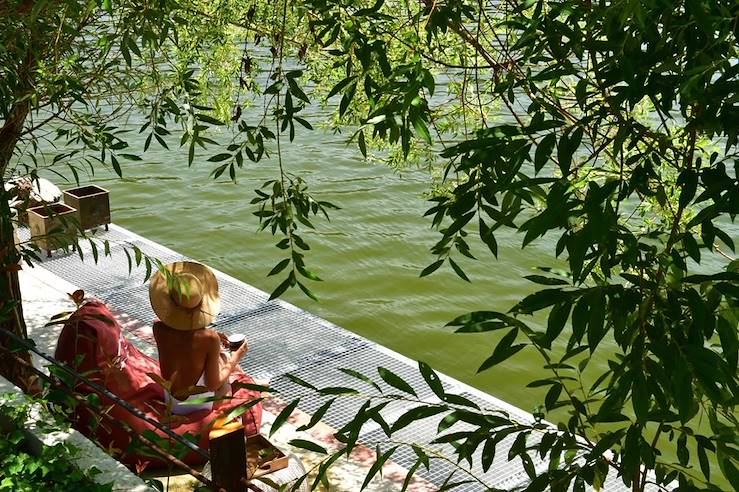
(185, 295)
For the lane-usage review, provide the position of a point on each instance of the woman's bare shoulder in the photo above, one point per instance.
(206, 337)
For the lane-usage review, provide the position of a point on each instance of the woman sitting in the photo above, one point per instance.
(191, 367)
(185, 298)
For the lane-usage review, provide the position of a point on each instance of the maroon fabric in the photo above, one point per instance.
(92, 342)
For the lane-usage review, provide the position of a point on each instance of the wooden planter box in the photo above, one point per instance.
(263, 457)
(92, 204)
(56, 219)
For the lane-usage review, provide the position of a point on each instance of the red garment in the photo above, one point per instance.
(92, 342)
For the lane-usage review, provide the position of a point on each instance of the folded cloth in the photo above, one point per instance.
(92, 343)
(193, 403)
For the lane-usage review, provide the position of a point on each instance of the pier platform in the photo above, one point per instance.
(283, 339)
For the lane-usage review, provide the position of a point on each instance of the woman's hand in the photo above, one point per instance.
(241, 351)
(219, 365)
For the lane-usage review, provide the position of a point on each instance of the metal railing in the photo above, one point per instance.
(57, 384)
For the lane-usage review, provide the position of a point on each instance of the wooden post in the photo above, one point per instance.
(228, 456)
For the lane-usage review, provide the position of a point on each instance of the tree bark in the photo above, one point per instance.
(11, 309)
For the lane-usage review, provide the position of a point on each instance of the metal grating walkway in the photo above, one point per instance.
(285, 339)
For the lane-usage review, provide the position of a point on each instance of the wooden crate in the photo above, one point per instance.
(92, 203)
(52, 219)
(263, 457)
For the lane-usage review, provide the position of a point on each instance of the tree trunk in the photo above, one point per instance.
(11, 309)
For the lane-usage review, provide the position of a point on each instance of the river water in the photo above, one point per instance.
(369, 255)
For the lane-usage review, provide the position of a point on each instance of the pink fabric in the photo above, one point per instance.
(92, 342)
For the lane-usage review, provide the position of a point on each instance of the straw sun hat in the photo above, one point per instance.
(185, 295)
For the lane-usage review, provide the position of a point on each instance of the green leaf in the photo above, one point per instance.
(564, 154)
(431, 268)
(729, 341)
(728, 469)
(283, 416)
(362, 144)
(296, 91)
(703, 460)
(552, 396)
(241, 409)
(138, 255)
(460, 400)
(482, 327)
(208, 119)
(308, 274)
(409, 475)
(161, 141)
(422, 130)
(219, 157)
(683, 455)
(422, 456)
(303, 122)
(320, 476)
(377, 466)
(458, 270)
(94, 249)
(395, 381)
(280, 289)
(279, 267)
(347, 99)
(317, 415)
(640, 398)
(414, 414)
(488, 454)
(488, 237)
(448, 421)
(216, 173)
(361, 377)
(556, 322)
(542, 299)
(504, 350)
(600, 474)
(542, 280)
(453, 485)
(543, 151)
(337, 390)
(147, 264)
(688, 183)
(299, 381)
(308, 445)
(253, 387)
(307, 291)
(116, 166)
(432, 379)
(338, 87)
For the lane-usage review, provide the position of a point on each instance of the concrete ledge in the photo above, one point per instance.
(88, 455)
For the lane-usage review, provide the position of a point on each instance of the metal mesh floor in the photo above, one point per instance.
(285, 339)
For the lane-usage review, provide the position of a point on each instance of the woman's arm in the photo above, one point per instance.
(216, 371)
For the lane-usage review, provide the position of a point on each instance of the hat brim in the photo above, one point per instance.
(175, 316)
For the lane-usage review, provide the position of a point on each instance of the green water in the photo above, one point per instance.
(369, 255)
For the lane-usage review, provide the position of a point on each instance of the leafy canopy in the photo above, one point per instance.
(616, 143)
(607, 129)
